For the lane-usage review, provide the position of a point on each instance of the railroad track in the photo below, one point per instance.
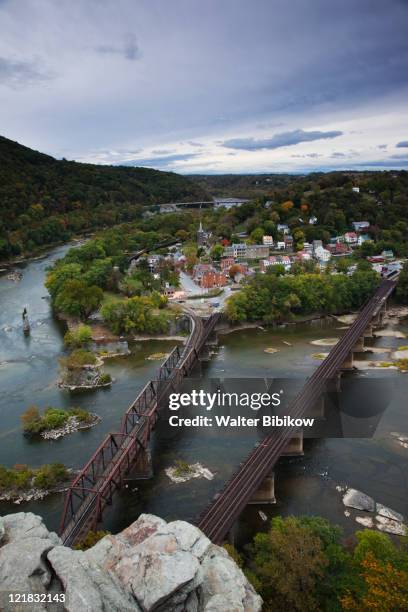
(227, 505)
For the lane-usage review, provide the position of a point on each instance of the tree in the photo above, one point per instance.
(385, 588)
(78, 299)
(216, 252)
(257, 234)
(30, 419)
(289, 562)
(79, 337)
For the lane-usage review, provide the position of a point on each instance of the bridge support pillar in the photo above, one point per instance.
(359, 345)
(294, 447)
(266, 492)
(142, 469)
(348, 363)
(368, 332)
(318, 410)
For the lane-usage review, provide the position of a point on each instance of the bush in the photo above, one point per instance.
(79, 337)
(91, 538)
(34, 423)
(104, 379)
(78, 358)
(22, 477)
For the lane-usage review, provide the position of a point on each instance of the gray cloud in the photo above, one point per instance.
(285, 139)
(403, 144)
(129, 49)
(382, 146)
(18, 73)
(337, 154)
(165, 161)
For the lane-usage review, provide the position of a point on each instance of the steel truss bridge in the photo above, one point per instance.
(95, 486)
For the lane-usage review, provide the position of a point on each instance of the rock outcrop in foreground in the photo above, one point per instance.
(151, 565)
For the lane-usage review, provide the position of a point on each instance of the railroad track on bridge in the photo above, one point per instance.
(96, 484)
(223, 511)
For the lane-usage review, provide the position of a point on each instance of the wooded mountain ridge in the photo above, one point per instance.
(44, 200)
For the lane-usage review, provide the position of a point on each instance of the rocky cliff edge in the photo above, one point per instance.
(151, 565)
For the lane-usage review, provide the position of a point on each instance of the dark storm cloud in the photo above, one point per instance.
(403, 144)
(129, 48)
(284, 139)
(17, 73)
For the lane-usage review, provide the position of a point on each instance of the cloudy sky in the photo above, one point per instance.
(204, 86)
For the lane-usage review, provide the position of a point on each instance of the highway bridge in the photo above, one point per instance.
(123, 452)
(217, 520)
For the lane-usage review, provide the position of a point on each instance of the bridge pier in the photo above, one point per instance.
(294, 447)
(266, 492)
(318, 410)
(348, 363)
(368, 332)
(143, 468)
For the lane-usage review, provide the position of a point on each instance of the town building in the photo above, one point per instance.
(211, 279)
(322, 255)
(246, 251)
(226, 263)
(201, 235)
(339, 249)
(282, 227)
(360, 226)
(268, 240)
(351, 238)
(288, 239)
(363, 238)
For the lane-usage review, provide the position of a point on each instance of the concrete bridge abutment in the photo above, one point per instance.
(266, 492)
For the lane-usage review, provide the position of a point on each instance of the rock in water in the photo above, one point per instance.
(360, 501)
(389, 513)
(151, 566)
(394, 527)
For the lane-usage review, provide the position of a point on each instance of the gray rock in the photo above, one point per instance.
(360, 501)
(23, 564)
(390, 526)
(86, 585)
(155, 575)
(225, 586)
(389, 513)
(151, 566)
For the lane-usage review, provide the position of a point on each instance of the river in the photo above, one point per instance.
(304, 485)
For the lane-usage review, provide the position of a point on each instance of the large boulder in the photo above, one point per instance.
(24, 544)
(150, 566)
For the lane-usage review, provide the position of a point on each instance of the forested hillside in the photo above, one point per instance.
(44, 200)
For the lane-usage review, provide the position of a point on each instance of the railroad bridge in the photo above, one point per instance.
(254, 481)
(128, 449)
(119, 453)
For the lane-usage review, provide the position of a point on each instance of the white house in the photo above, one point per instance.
(351, 238)
(322, 254)
(268, 240)
(282, 227)
(356, 189)
(359, 226)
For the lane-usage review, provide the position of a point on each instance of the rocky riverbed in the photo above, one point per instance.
(150, 566)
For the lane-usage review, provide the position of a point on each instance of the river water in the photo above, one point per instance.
(303, 485)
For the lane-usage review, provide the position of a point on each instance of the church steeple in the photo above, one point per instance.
(201, 235)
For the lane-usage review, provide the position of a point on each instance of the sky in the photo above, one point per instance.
(208, 86)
